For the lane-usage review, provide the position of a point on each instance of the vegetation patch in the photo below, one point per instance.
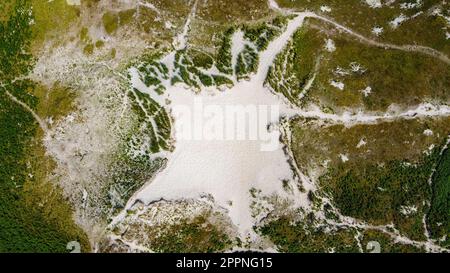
(438, 218)
(297, 236)
(392, 193)
(196, 235)
(296, 65)
(34, 216)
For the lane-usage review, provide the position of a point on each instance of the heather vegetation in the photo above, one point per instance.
(34, 217)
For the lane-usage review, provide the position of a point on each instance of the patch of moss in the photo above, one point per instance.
(99, 44)
(51, 18)
(110, 22)
(55, 102)
(438, 218)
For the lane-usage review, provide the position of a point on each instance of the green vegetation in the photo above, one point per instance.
(379, 194)
(149, 138)
(190, 234)
(55, 102)
(357, 66)
(403, 78)
(224, 52)
(51, 18)
(217, 16)
(192, 75)
(88, 49)
(262, 34)
(385, 177)
(201, 59)
(34, 217)
(152, 71)
(193, 236)
(126, 175)
(14, 42)
(400, 140)
(293, 237)
(247, 62)
(126, 16)
(425, 28)
(6, 7)
(438, 218)
(296, 65)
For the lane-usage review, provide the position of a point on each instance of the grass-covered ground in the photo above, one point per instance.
(438, 219)
(424, 29)
(34, 216)
(294, 237)
(377, 173)
(380, 194)
(318, 144)
(172, 227)
(391, 76)
(214, 17)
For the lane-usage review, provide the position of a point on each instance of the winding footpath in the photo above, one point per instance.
(39, 120)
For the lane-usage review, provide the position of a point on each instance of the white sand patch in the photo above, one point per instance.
(227, 169)
(73, 2)
(343, 157)
(180, 40)
(377, 30)
(411, 5)
(428, 132)
(325, 9)
(367, 91)
(398, 21)
(408, 210)
(357, 68)
(329, 45)
(168, 25)
(417, 14)
(274, 5)
(339, 71)
(337, 84)
(148, 5)
(374, 3)
(361, 143)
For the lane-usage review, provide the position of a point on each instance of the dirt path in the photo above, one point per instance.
(41, 122)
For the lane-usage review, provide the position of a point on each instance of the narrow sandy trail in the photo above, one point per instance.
(181, 40)
(41, 122)
(350, 119)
